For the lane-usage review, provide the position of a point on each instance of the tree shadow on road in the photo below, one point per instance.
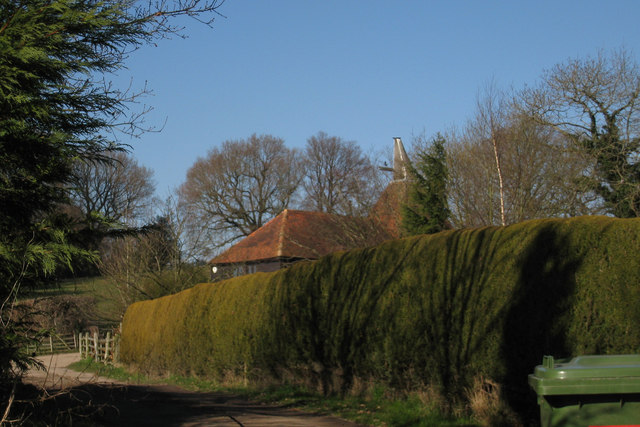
(156, 405)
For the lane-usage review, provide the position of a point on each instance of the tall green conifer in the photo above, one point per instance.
(427, 209)
(57, 106)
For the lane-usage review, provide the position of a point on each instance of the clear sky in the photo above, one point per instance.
(362, 70)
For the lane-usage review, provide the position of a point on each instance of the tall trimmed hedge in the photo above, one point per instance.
(438, 310)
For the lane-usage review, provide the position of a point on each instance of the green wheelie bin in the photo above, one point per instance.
(588, 391)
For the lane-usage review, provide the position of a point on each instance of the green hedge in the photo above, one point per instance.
(433, 310)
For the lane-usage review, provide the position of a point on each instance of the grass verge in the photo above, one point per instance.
(375, 408)
(110, 371)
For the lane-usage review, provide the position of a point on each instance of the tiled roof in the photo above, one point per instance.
(388, 209)
(298, 235)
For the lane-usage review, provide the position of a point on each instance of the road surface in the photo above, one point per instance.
(166, 405)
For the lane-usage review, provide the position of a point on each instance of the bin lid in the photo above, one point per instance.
(611, 374)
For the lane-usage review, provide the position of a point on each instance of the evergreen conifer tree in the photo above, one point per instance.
(57, 106)
(427, 209)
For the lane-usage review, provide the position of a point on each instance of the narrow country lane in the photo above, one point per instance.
(167, 405)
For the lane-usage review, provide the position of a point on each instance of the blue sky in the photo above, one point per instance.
(362, 70)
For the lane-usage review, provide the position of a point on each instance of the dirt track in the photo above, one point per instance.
(58, 376)
(165, 405)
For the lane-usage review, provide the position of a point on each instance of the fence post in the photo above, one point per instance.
(116, 348)
(51, 343)
(106, 347)
(87, 352)
(80, 345)
(245, 373)
(96, 347)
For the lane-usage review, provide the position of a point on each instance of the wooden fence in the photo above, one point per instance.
(89, 345)
(55, 343)
(105, 350)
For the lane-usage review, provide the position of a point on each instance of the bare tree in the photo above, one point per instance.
(594, 103)
(165, 258)
(240, 185)
(118, 191)
(129, 263)
(540, 175)
(190, 235)
(338, 177)
(488, 125)
(472, 184)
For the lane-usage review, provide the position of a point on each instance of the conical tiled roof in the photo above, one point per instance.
(387, 212)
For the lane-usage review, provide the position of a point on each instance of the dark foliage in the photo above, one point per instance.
(427, 209)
